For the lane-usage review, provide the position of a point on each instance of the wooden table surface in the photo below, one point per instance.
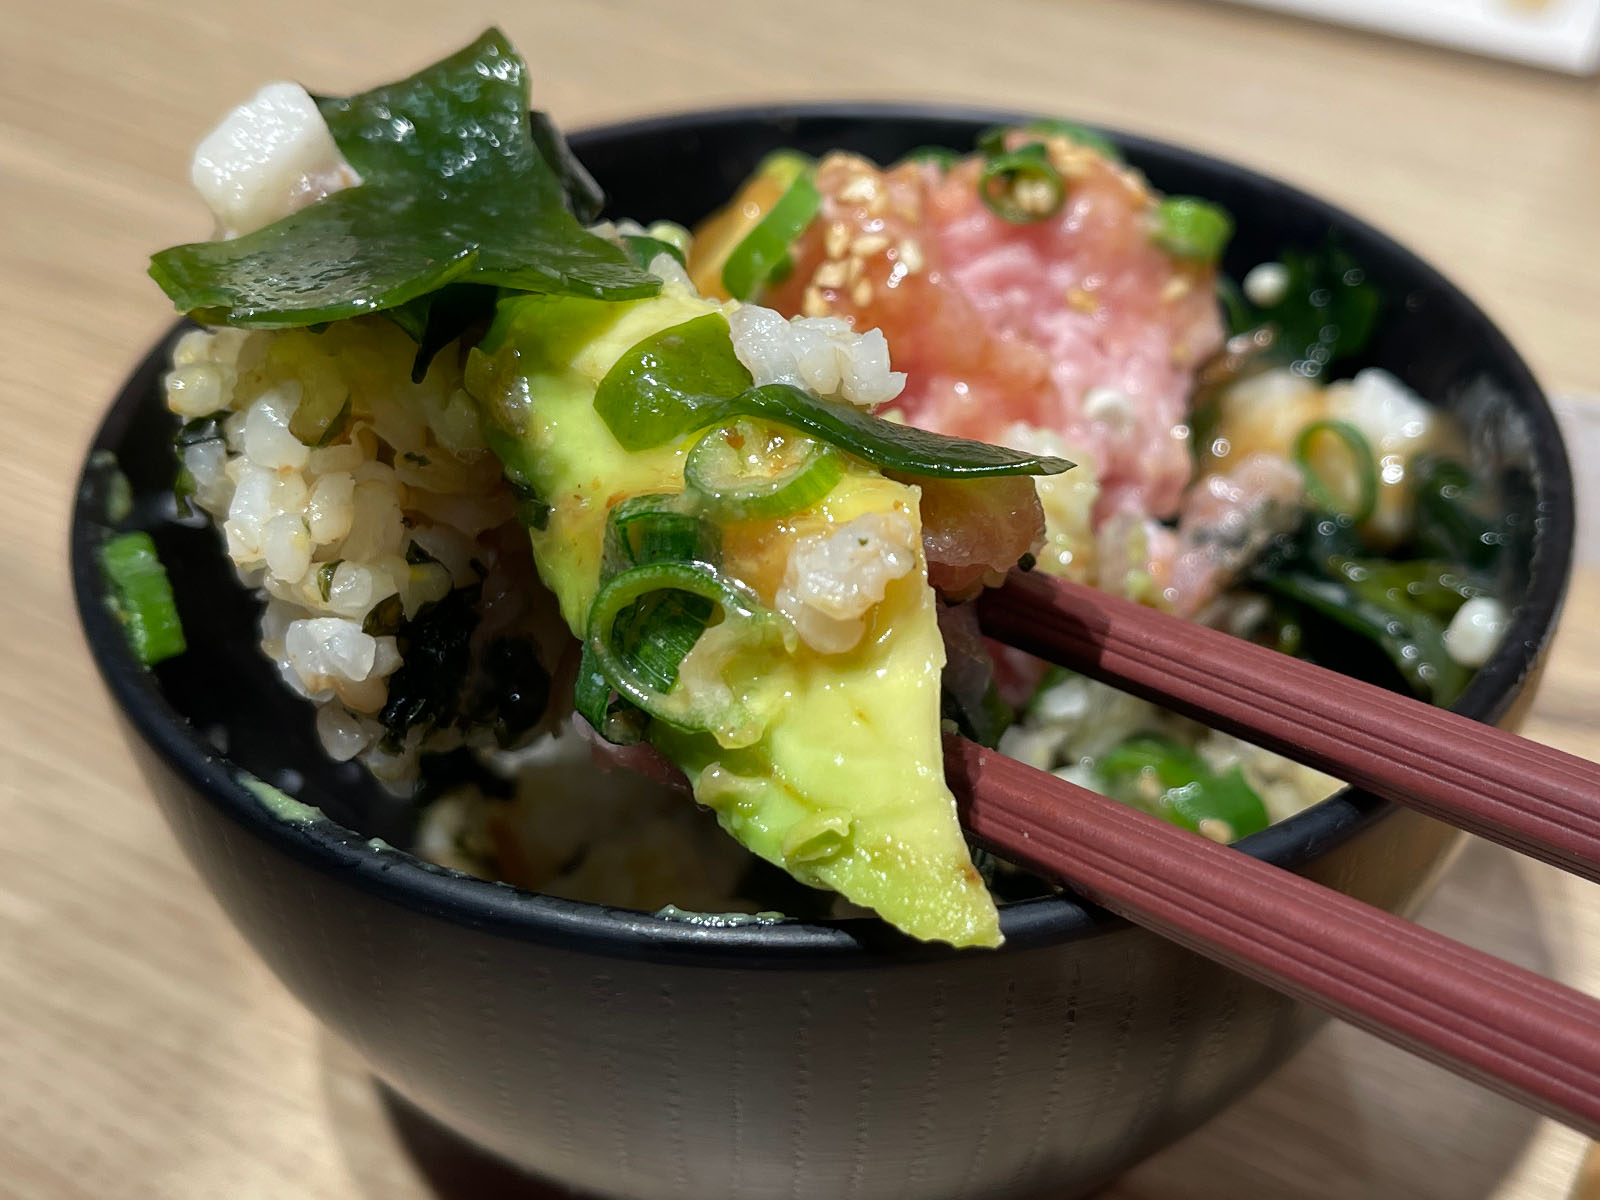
(143, 1049)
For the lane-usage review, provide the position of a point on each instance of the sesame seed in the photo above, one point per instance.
(869, 244)
(1033, 196)
(1082, 301)
(830, 274)
(812, 303)
(861, 294)
(1176, 288)
(911, 256)
(1069, 158)
(858, 189)
(853, 269)
(836, 239)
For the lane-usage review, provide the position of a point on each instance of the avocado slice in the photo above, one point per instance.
(844, 786)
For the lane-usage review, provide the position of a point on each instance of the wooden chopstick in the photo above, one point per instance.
(1517, 1033)
(1532, 798)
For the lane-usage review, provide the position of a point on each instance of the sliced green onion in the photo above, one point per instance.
(614, 719)
(748, 470)
(1188, 227)
(657, 527)
(1021, 186)
(643, 249)
(141, 597)
(616, 652)
(764, 251)
(1361, 459)
(687, 378)
(672, 383)
(656, 633)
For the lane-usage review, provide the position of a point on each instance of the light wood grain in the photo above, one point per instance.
(145, 1052)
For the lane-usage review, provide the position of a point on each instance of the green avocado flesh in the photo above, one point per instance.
(841, 781)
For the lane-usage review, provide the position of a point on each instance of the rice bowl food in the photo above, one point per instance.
(619, 484)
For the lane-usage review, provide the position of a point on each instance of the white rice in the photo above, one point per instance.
(324, 530)
(822, 354)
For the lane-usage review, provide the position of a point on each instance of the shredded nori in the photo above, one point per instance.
(513, 690)
(426, 690)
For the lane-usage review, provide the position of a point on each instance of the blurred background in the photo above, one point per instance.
(145, 1052)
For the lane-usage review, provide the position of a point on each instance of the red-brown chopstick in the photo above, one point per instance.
(1529, 797)
(1522, 1035)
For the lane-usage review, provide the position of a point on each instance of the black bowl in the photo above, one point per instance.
(630, 1056)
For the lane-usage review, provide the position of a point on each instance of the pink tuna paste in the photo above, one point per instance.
(1077, 323)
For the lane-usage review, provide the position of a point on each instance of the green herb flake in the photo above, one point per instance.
(384, 618)
(454, 189)
(325, 575)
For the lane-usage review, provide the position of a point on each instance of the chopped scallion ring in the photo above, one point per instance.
(1187, 227)
(751, 469)
(763, 253)
(1362, 461)
(627, 649)
(654, 528)
(1021, 186)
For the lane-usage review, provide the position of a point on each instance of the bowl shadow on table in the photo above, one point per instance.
(1348, 1117)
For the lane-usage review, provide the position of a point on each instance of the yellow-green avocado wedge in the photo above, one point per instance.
(844, 789)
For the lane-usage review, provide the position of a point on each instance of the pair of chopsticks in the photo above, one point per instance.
(1518, 1033)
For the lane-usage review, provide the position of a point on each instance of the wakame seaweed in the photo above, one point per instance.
(1327, 313)
(456, 188)
(1382, 620)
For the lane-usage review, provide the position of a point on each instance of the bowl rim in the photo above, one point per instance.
(506, 910)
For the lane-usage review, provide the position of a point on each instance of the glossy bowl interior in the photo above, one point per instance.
(816, 1044)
